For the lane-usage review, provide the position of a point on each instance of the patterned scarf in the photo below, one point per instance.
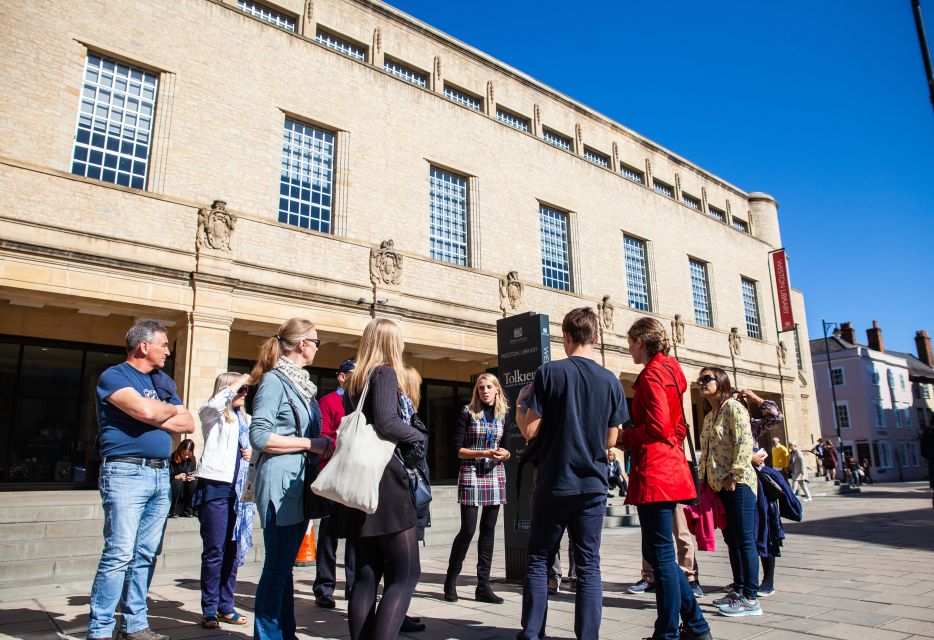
(299, 378)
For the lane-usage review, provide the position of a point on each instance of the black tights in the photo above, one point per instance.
(484, 541)
(395, 557)
(768, 573)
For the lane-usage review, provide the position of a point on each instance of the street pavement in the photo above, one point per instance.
(860, 567)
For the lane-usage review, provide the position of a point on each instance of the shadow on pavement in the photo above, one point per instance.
(897, 529)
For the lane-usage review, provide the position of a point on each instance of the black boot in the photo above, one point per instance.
(485, 594)
(450, 588)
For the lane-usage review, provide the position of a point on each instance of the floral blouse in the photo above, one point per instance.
(726, 446)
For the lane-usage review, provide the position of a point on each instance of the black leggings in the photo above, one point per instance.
(395, 557)
(484, 541)
(768, 573)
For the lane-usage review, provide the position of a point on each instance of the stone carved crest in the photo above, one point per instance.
(385, 264)
(605, 312)
(377, 41)
(437, 73)
(677, 329)
(782, 352)
(510, 291)
(736, 341)
(216, 226)
(578, 139)
(490, 99)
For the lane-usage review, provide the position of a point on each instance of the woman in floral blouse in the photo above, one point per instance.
(726, 446)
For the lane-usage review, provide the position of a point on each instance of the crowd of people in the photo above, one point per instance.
(581, 440)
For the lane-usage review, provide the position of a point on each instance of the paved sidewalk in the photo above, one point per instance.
(858, 568)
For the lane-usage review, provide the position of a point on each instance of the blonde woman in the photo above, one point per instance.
(726, 467)
(385, 542)
(286, 426)
(226, 522)
(481, 482)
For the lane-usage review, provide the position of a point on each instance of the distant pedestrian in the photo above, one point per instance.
(818, 451)
(615, 475)
(866, 467)
(799, 470)
(481, 483)
(573, 410)
(852, 471)
(831, 460)
(182, 471)
(779, 456)
(136, 429)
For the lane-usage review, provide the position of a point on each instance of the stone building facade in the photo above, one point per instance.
(222, 165)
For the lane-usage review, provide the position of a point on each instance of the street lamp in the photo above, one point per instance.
(833, 393)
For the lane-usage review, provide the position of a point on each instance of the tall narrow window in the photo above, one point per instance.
(880, 413)
(306, 185)
(700, 291)
(843, 415)
(637, 274)
(798, 350)
(751, 306)
(448, 216)
(114, 133)
(266, 14)
(556, 265)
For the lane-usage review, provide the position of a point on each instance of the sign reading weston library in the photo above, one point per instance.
(783, 290)
(523, 344)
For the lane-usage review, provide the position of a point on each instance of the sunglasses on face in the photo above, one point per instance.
(316, 341)
(705, 379)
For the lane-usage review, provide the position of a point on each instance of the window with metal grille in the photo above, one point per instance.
(631, 173)
(556, 265)
(266, 14)
(556, 139)
(340, 45)
(461, 97)
(597, 158)
(740, 225)
(307, 177)
(637, 273)
(511, 119)
(113, 138)
(406, 73)
(843, 415)
(751, 306)
(663, 188)
(690, 201)
(716, 214)
(448, 216)
(700, 292)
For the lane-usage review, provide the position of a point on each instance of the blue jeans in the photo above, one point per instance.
(673, 594)
(136, 502)
(274, 607)
(583, 516)
(740, 536)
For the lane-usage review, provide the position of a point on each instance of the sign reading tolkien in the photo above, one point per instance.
(523, 345)
(783, 291)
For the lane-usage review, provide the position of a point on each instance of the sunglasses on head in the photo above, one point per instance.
(242, 391)
(705, 379)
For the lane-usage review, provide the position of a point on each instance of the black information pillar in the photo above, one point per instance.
(524, 344)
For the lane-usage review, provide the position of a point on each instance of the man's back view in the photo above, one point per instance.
(574, 408)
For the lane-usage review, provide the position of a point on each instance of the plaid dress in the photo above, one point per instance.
(481, 482)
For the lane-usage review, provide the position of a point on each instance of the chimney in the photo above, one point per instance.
(874, 336)
(847, 332)
(923, 343)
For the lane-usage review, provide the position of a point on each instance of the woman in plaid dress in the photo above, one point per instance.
(480, 483)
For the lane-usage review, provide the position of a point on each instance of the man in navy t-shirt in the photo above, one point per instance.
(575, 408)
(138, 411)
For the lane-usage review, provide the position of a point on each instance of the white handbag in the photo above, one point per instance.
(353, 474)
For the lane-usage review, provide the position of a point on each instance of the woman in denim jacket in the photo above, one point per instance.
(285, 393)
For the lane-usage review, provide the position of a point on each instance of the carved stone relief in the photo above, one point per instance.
(736, 341)
(782, 352)
(385, 264)
(605, 311)
(677, 330)
(216, 226)
(510, 292)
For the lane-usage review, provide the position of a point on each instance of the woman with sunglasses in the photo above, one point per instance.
(226, 523)
(726, 467)
(660, 478)
(286, 426)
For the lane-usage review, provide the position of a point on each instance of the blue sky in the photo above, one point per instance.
(824, 105)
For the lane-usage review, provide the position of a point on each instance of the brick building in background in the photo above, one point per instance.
(883, 399)
(224, 165)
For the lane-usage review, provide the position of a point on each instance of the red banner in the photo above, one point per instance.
(783, 289)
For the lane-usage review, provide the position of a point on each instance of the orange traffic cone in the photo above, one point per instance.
(306, 552)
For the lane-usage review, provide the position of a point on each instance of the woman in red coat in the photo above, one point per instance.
(659, 477)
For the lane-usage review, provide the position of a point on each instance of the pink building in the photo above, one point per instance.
(882, 400)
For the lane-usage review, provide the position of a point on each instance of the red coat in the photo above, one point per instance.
(659, 470)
